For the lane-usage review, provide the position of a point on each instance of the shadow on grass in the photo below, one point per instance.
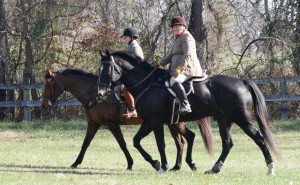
(62, 170)
(46, 125)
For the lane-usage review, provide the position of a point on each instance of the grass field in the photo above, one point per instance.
(41, 153)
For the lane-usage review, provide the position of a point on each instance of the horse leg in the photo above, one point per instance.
(179, 142)
(158, 130)
(116, 131)
(255, 135)
(190, 137)
(181, 130)
(227, 144)
(90, 133)
(143, 131)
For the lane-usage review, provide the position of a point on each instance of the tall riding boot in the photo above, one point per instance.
(130, 104)
(184, 103)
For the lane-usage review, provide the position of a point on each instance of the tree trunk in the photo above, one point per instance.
(4, 53)
(28, 47)
(296, 49)
(196, 26)
(28, 74)
(198, 30)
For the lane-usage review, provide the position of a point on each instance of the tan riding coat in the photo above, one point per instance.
(184, 54)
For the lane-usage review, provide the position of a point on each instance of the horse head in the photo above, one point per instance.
(113, 67)
(52, 89)
(109, 71)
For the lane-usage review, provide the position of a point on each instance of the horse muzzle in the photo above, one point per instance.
(102, 91)
(46, 103)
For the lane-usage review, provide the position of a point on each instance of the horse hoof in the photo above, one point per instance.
(165, 167)
(193, 166)
(129, 168)
(208, 172)
(271, 169)
(74, 166)
(175, 168)
(160, 171)
(156, 165)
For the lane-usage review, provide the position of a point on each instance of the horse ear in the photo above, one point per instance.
(101, 53)
(107, 53)
(48, 72)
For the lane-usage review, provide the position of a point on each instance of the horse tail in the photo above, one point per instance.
(206, 133)
(261, 115)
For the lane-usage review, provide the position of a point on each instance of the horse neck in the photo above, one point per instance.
(83, 92)
(136, 76)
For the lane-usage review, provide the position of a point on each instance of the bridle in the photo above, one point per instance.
(115, 67)
(61, 88)
(54, 85)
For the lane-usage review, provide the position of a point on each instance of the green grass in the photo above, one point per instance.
(41, 153)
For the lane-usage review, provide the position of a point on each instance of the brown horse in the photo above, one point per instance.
(82, 86)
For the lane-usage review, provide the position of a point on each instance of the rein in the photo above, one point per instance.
(117, 68)
(143, 80)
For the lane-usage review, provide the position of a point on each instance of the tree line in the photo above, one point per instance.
(246, 39)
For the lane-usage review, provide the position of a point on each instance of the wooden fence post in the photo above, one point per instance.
(27, 109)
(284, 105)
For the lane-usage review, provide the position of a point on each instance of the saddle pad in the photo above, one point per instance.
(131, 121)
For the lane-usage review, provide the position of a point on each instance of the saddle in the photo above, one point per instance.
(188, 87)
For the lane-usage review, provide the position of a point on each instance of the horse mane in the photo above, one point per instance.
(75, 71)
(133, 59)
(126, 55)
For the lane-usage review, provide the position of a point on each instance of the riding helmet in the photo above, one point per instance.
(131, 32)
(177, 20)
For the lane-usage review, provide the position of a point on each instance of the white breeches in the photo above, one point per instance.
(180, 78)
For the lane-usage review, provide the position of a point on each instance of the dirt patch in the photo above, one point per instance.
(10, 135)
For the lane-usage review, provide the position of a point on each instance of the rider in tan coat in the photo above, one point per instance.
(183, 60)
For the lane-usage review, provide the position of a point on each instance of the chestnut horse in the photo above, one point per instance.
(82, 85)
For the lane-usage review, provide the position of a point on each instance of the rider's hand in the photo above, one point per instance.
(157, 63)
(177, 71)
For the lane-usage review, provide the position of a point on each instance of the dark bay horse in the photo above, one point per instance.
(82, 86)
(229, 100)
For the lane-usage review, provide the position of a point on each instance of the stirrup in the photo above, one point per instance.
(130, 114)
(184, 109)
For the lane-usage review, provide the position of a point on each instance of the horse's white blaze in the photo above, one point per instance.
(271, 169)
(49, 103)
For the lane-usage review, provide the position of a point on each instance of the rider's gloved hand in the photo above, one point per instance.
(177, 71)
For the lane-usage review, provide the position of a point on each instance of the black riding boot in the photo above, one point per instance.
(184, 103)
